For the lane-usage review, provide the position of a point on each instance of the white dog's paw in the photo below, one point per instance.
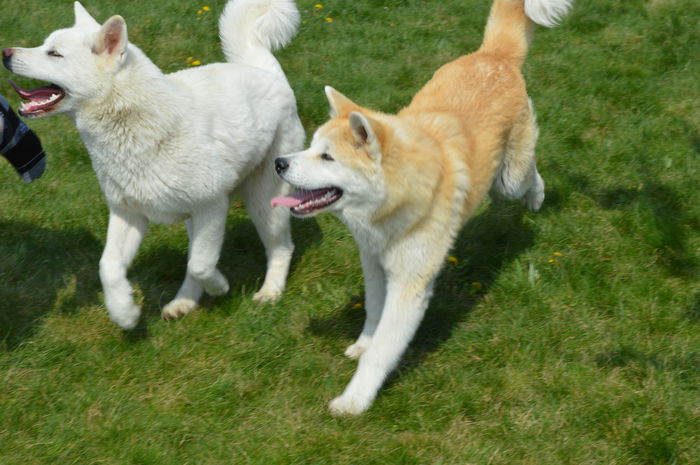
(127, 318)
(346, 405)
(217, 285)
(356, 350)
(178, 308)
(267, 295)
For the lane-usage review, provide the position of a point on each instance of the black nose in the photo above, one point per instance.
(281, 165)
(7, 57)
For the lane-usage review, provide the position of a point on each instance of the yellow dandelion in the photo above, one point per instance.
(557, 254)
(551, 261)
(195, 63)
(318, 5)
(206, 8)
(474, 288)
(357, 306)
(452, 259)
(329, 20)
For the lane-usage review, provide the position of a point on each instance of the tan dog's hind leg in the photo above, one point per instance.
(518, 177)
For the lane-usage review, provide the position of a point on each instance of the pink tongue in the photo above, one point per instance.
(285, 202)
(291, 200)
(39, 92)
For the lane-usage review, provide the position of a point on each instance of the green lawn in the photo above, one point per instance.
(578, 344)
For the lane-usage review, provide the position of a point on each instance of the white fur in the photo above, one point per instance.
(169, 148)
(547, 12)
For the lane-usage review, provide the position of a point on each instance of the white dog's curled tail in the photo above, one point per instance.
(251, 29)
(547, 13)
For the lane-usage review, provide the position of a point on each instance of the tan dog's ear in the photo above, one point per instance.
(341, 106)
(112, 38)
(367, 133)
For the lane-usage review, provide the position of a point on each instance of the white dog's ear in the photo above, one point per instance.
(341, 106)
(112, 38)
(367, 133)
(82, 17)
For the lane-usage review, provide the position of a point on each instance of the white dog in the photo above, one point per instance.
(405, 184)
(169, 148)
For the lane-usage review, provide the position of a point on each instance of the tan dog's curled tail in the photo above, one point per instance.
(509, 27)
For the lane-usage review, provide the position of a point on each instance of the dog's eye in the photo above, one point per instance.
(325, 156)
(54, 53)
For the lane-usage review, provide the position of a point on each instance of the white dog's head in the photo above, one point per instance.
(342, 166)
(79, 63)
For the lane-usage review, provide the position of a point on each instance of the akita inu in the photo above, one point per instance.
(405, 184)
(173, 147)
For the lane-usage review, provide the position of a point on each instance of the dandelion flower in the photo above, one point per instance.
(453, 260)
(199, 12)
(557, 254)
(551, 261)
(195, 63)
(318, 5)
(329, 20)
(206, 8)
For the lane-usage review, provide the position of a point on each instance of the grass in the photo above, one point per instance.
(580, 344)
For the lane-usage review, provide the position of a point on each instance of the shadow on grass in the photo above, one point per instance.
(487, 244)
(668, 228)
(657, 214)
(44, 270)
(159, 272)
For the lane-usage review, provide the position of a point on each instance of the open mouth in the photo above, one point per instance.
(306, 202)
(39, 101)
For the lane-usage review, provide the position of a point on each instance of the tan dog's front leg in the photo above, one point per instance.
(406, 300)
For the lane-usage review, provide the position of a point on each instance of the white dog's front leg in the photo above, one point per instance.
(208, 228)
(375, 294)
(124, 235)
(405, 305)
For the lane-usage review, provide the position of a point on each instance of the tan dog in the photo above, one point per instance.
(405, 184)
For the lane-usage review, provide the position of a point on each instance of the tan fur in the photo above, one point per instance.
(408, 182)
(460, 120)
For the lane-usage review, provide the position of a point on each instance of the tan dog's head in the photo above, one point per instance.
(343, 165)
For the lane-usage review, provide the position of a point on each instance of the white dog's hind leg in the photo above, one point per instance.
(124, 235)
(272, 224)
(375, 294)
(405, 306)
(190, 292)
(208, 227)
